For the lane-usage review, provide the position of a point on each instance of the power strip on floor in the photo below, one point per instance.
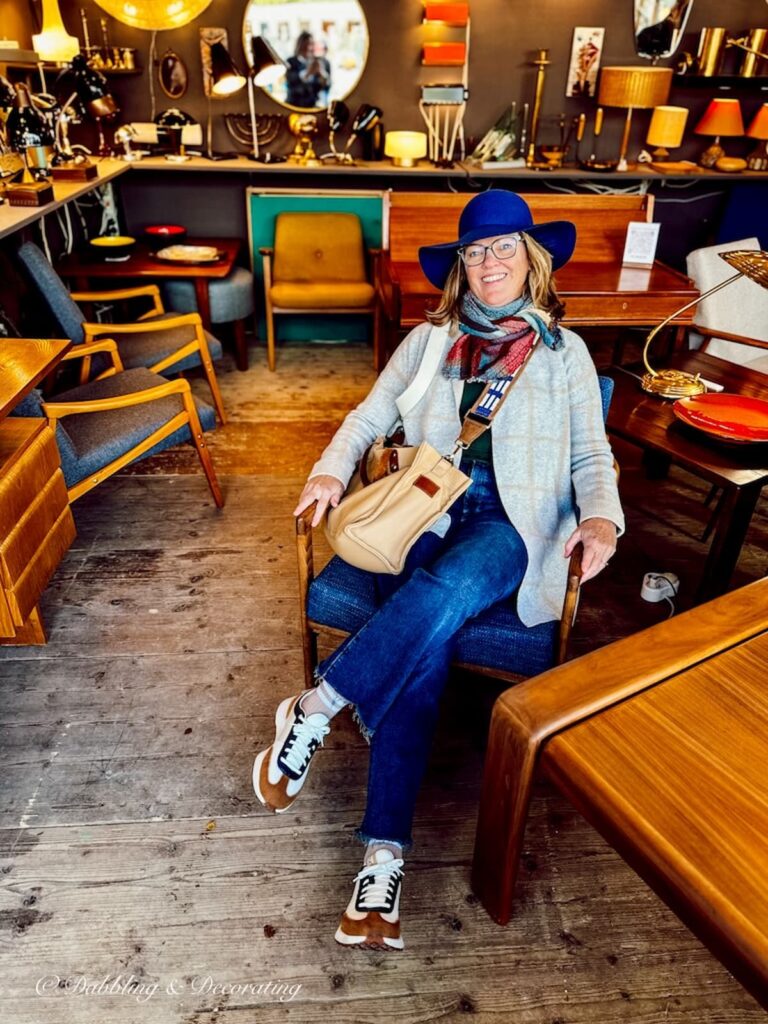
(660, 586)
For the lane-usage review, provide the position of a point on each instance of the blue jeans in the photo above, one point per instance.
(394, 669)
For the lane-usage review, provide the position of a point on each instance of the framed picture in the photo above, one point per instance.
(172, 74)
(585, 60)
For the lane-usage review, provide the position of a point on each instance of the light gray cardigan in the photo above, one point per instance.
(551, 458)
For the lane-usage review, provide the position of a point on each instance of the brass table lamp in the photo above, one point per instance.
(633, 88)
(751, 263)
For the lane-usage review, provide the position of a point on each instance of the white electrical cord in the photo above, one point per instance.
(660, 586)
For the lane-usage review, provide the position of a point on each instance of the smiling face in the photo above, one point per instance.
(497, 282)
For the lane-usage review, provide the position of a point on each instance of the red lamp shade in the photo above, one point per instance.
(759, 127)
(444, 54)
(446, 13)
(722, 117)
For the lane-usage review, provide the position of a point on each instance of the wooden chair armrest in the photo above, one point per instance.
(570, 603)
(55, 410)
(150, 290)
(739, 339)
(87, 348)
(388, 287)
(304, 521)
(182, 320)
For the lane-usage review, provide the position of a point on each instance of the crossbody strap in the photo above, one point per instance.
(430, 361)
(478, 419)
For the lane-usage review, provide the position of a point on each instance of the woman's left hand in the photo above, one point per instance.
(599, 539)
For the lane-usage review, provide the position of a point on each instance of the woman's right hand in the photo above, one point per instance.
(325, 490)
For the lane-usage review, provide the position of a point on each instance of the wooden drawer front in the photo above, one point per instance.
(20, 546)
(25, 593)
(630, 309)
(25, 478)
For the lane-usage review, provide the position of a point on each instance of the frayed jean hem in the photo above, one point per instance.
(365, 838)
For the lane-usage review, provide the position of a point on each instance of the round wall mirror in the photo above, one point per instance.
(659, 26)
(172, 74)
(324, 44)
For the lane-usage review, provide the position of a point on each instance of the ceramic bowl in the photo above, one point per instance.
(112, 247)
(160, 235)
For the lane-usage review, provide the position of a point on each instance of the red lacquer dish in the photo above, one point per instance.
(727, 417)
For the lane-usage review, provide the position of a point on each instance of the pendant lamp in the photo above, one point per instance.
(53, 43)
(154, 14)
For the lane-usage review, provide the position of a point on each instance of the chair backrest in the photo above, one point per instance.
(425, 218)
(741, 308)
(65, 311)
(318, 247)
(606, 393)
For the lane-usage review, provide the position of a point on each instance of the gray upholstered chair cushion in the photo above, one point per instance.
(147, 347)
(64, 310)
(96, 439)
(231, 298)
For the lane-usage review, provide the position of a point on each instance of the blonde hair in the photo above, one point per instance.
(541, 287)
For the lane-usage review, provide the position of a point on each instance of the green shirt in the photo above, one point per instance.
(480, 450)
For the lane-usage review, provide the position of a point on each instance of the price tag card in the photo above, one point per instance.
(640, 246)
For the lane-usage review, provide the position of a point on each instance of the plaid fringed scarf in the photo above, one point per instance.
(496, 340)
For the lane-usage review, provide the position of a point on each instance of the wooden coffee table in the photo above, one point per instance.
(80, 270)
(661, 742)
(740, 470)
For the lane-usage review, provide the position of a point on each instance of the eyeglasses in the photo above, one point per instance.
(502, 248)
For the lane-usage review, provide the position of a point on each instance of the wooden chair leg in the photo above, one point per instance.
(241, 345)
(202, 448)
(270, 339)
(510, 761)
(306, 563)
(213, 384)
(378, 355)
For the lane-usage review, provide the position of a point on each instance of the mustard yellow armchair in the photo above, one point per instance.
(319, 265)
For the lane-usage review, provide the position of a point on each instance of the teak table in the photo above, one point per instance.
(740, 470)
(661, 742)
(144, 263)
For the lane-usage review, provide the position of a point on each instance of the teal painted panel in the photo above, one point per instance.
(263, 209)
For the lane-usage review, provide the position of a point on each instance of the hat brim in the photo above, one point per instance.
(558, 237)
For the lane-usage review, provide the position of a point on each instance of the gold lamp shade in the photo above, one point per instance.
(751, 263)
(632, 87)
(667, 127)
(154, 14)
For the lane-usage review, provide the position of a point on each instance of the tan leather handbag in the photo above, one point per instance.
(399, 491)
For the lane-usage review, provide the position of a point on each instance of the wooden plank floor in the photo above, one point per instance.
(134, 854)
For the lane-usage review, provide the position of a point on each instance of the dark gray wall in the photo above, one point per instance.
(504, 35)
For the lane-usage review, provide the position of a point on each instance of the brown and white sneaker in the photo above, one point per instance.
(372, 917)
(281, 770)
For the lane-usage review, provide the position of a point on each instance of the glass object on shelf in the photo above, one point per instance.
(324, 48)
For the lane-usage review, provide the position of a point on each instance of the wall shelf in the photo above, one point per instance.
(723, 83)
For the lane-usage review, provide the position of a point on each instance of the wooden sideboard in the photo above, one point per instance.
(36, 524)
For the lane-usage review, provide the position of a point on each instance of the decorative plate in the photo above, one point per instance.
(728, 417)
(189, 254)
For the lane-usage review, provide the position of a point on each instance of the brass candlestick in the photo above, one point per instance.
(541, 62)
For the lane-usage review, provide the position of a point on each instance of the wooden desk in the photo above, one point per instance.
(741, 470)
(661, 742)
(36, 525)
(143, 263)
(596, 294)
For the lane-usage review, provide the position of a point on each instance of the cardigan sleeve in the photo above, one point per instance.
(592, 470)
(377, 414)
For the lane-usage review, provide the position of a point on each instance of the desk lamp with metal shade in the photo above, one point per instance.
(225, 80)
(266, 68)
(751, 263)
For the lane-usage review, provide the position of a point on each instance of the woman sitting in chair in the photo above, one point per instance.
(542, 481)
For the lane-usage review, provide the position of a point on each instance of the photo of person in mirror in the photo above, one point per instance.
(660, 39)
(308, 78)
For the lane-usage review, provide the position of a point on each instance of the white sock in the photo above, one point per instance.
(323, 700)
(375, 845)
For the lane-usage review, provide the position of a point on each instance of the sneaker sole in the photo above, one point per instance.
(281, 716)
(373, 942)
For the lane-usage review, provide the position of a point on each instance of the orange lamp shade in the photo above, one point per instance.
(759, 127)
(446, 13)
(722, 117)
(444, 54)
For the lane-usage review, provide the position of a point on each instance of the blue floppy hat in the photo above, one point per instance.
(497, 212)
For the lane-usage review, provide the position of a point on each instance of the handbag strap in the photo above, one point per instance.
(478, 419)
(430, 360)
